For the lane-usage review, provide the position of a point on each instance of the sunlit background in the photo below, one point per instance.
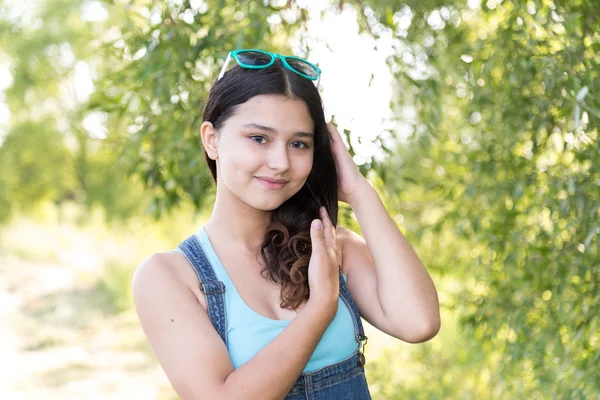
(476, 121)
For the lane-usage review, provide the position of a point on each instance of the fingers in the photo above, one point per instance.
(317, 237)
(334, 134)
(330, 129)
(323, 236)
(328, 228)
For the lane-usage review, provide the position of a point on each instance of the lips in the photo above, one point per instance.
(271, 185)
(272, 180)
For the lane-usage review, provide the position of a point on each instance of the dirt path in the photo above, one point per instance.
(65, 333)
(62, 336)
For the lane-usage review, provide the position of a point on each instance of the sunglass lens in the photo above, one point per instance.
(254, 58)
(302, 67)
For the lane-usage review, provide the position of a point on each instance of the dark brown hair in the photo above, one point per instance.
(286, 247)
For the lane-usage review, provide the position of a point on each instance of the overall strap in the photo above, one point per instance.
(358, 327)
(213, 289)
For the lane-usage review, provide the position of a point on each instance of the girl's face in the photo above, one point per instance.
(269, 136)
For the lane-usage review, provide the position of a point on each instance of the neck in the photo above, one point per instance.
(237, 222)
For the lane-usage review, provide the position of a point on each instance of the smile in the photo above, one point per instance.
(271, 185)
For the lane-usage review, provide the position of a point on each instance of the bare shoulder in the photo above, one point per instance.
(177, 327)
(162, 264)
(353, 247)
(155, 274)
(157, 266)
(173, 266)
(345, 233)
(342, 233)
(341, 236)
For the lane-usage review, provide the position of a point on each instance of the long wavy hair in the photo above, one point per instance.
(286, 247)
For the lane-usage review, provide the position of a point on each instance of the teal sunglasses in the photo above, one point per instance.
(259, 59)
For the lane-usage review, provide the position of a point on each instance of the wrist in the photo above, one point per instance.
(366, 188)
(322, 308)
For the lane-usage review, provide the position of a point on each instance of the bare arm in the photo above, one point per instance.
(195, 358)
(272, 372)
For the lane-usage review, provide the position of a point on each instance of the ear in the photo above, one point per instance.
(210, 139)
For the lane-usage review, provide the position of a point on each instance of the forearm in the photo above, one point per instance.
(272, 372)
(405, 289)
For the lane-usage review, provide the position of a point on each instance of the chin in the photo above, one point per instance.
(270, 202)
(265, 207)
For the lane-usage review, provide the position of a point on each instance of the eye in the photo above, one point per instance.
(252, 137)
(302, 145)
(305, 146)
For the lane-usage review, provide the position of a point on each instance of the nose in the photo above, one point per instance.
(278, 159)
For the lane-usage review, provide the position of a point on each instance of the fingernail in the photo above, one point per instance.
(317, 224)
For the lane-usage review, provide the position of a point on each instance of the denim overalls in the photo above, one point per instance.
(344, 380)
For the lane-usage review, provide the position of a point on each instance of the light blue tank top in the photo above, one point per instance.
(248, 332)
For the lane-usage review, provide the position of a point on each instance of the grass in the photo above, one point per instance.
(70, 328)
(75, 331)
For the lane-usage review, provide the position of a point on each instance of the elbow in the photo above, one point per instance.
(214, 394)
(430, 329)
(424, 332)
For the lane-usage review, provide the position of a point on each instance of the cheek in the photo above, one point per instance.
(245, 167)
(307, 165)
(241, 159)
(302, 168)
(234, 168)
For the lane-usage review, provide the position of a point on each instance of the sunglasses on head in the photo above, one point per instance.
(259, 59)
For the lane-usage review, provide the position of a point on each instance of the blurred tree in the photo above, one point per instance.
(504, 160)
(38, 162)
(47, 152)
(498, 185)
(161, 62)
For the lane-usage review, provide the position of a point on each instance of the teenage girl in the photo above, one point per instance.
(265, 300)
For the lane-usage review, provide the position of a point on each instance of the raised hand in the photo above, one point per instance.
(323, 270)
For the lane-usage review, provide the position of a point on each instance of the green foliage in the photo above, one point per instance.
(115, 285)
(38, 165)
(497, 187)
(159, 71)
(502, 160)
(46, 153)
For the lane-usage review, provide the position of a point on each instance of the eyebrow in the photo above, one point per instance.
(269, 129)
